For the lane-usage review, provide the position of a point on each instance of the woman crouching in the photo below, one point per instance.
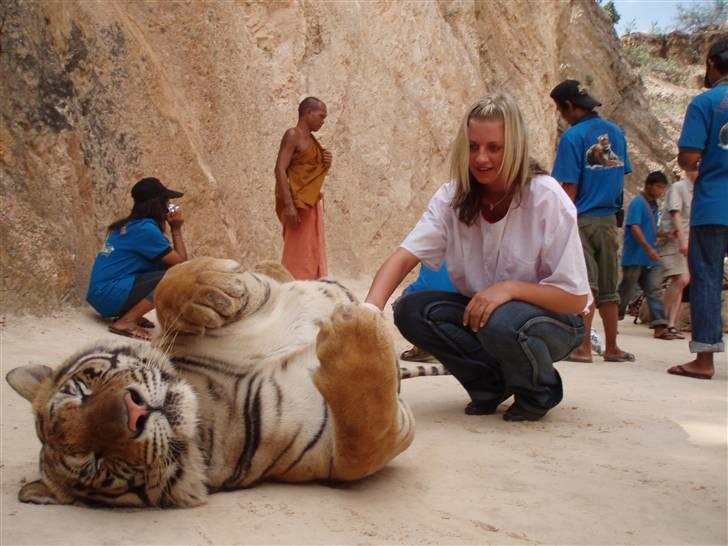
(134, 258)
(509, 236)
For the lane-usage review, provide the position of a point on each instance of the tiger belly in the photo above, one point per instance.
(266, 423)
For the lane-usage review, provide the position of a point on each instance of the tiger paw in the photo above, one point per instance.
(198, 294)
(355, 341)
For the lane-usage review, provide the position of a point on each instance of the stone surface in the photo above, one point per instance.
(98, 94)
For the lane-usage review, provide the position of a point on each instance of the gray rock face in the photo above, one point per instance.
(98, 94)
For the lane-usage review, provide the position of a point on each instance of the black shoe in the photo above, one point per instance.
(517, 413)
(475, 407)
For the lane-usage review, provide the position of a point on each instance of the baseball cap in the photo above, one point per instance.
(719, 49)
(577, 95)
(151, 188)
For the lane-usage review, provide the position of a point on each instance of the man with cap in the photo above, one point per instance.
(590, 164)
(134, 258)
(703, 145)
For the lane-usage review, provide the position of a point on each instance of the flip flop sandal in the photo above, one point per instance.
(417, 355)
(572, 358)
(665, 335)
(675, 332)
(624, 357)
(680, 370)
(130, 332)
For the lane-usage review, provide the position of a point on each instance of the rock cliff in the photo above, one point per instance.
(98, 94)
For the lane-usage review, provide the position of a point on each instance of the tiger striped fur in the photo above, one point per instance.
(254, 378)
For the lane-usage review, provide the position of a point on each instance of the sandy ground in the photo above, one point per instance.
(631, 456)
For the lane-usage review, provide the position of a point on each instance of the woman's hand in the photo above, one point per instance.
(175, 218)
(482, 305)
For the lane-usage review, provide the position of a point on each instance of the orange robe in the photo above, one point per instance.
(304, 245)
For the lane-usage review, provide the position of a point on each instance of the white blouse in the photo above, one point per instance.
(537, 241)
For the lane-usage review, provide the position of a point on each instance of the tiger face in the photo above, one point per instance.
(118, 428)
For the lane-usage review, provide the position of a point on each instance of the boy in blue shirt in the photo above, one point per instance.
(590, 164)
(703, 146)
(640, 260)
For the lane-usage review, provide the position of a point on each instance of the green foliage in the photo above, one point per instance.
(589, 80)
(696, 16)
(642, 56)
(611, 10)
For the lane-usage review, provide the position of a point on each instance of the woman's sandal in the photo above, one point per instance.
(675, 332)
(415, 354)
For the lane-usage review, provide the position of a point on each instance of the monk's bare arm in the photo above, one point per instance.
(285, 154)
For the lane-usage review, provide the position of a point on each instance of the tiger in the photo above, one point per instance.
(254, 377)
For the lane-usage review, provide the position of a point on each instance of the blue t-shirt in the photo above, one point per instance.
(639, 213)
(706, 129)
(429, 279)
(136, 248)
(593, 155)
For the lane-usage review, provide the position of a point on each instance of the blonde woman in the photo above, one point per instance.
(508, 234)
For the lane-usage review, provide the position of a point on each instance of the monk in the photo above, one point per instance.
(301, 167)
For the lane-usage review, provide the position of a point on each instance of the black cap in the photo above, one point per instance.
(577, 95)
(151, 188)
(719, 49)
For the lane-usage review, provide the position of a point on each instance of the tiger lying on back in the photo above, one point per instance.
(262, 379)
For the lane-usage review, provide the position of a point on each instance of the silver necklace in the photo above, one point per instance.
(494, 205)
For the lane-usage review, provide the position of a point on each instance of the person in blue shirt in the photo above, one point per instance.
(640, 260)
(427, 280)
(134, 258)
(703, 145)
(590, 164)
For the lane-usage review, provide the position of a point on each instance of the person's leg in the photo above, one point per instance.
(673, 297)
(651, 283)
(583, 353)
(300, 243)
(630, 279)
(608, 299)
(139, 303)
(320, 249)
(707, 248)
(433, 321)
(526, 340)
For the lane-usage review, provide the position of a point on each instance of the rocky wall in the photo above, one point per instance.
(96, 95)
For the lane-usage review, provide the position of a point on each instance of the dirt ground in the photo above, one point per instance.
(631, 456)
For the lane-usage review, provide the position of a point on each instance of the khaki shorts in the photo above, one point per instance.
(674, 264)
(600, 242)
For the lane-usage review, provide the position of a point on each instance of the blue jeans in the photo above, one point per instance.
(650, 280)
(707, 248)
(513, 353)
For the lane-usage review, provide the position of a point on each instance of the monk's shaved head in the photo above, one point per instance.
(309, 103)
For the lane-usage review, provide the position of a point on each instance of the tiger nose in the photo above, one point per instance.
(135, 408)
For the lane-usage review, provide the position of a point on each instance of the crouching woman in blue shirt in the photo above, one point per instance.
(134, 258)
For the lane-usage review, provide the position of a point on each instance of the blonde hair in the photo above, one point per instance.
(515, 169)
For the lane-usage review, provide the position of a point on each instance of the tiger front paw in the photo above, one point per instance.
(199, 294)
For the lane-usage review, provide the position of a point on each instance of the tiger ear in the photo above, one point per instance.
(27, 379)
(36, 493)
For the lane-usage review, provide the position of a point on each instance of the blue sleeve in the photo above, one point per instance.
(568, 163)
(627, 162)
(635, 212)
(695, 127)
(149, 241)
